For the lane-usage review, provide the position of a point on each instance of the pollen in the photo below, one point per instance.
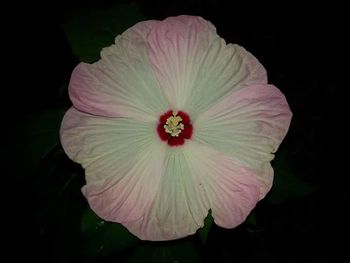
(173, 125)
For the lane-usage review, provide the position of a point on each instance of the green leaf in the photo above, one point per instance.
(59, 206)
(90, 29)
(104, 238)
(287, 186)
(252, 224)
(204, 231)
(166, 252)
(31, 139)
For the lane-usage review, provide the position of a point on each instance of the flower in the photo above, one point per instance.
(170, 123)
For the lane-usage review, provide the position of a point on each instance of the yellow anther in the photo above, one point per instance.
(173, 125)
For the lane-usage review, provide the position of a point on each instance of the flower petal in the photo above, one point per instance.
(195, 67)
(197, 178)
(231, 188)
(122, 83)
(180, 205)
(249, 125)
(122, 161)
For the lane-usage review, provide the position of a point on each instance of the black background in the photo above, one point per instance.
(303, 49)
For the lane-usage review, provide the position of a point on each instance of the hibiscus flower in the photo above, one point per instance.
(170, 123)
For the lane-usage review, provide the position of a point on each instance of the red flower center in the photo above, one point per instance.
(174, 127)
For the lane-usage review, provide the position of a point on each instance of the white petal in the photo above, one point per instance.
(195, 179)
(122, 83)
(195, 67)
(249, 125)
(231, 188)
(223, 69)
(122, 161)
(180, 205)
